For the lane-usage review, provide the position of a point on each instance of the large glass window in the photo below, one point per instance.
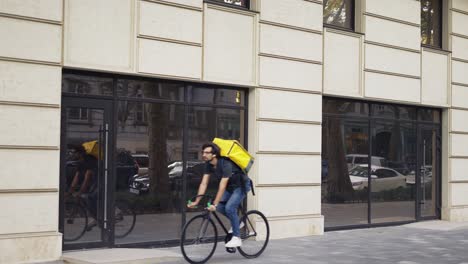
(431, 22)
(394, 145)
(345, 149)
(153, 134)
(372, 155)
(339, 13)
(147, 155)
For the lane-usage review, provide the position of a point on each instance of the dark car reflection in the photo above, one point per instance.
(126, 167)
(140, 184)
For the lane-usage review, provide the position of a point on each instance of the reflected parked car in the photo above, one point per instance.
(140, 184)
(426, 172)
(126, 167)
(400, 166)
(363, 159)
(142, 161)
(382, 178)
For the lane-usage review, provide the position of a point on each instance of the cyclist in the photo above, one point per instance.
(86, 178)
(233, 187)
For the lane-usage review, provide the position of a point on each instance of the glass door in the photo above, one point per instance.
(428, 171)
(85, 163)
(392, 195)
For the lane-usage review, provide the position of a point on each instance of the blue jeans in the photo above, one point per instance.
(229, 204)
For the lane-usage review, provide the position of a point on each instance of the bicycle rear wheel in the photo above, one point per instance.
(198, 242)
(75, 222)
(255, 234)
(124, 218)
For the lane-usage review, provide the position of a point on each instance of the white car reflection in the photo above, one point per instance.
(354, 160)
(425, 172)
(382, 178)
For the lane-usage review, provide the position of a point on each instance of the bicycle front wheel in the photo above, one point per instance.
(124, 218)
(75, 222)
(198, 242)
(254, 234)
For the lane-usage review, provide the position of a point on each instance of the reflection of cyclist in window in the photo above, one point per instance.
(233, 187)
(85, 179)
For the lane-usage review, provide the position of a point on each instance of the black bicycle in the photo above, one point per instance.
(200, 235)
(76, 222)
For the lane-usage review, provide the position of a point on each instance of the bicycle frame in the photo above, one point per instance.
(208, 215)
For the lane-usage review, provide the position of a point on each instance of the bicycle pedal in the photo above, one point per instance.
(231, 250)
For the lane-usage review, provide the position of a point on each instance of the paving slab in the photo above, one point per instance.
(120, 256)
(429, 242)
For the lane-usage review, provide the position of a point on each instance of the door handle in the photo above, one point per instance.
(106, 170)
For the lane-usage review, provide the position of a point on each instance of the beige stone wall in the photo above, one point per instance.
(30, 81)
(383, 60)
(455, 202)
(185, 40)
(285, 122)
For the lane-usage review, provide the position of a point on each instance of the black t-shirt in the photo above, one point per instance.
(226, 169)
(89, 163)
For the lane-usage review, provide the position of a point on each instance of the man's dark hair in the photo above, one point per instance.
(77, 147)
(214, 148)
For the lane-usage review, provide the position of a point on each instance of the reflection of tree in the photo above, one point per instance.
(395, 144)
(429, 9)
(158, 124)
(339, 183)
(124, 106)
(335, 12)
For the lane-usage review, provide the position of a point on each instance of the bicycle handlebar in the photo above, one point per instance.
(208, 204)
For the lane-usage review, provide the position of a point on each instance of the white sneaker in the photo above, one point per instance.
(240, 226)
(234, 242)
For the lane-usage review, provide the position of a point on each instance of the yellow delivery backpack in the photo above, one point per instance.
(233, 150)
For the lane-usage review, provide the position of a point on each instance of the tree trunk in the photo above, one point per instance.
(158, 171)
(339, 184)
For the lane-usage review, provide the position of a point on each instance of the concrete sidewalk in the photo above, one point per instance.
(424, 242)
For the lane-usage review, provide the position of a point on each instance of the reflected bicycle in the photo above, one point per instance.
(76, 219)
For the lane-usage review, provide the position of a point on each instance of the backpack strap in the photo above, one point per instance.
(252, 188)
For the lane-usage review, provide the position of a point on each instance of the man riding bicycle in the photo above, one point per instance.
(234, 185)
(84, 180)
